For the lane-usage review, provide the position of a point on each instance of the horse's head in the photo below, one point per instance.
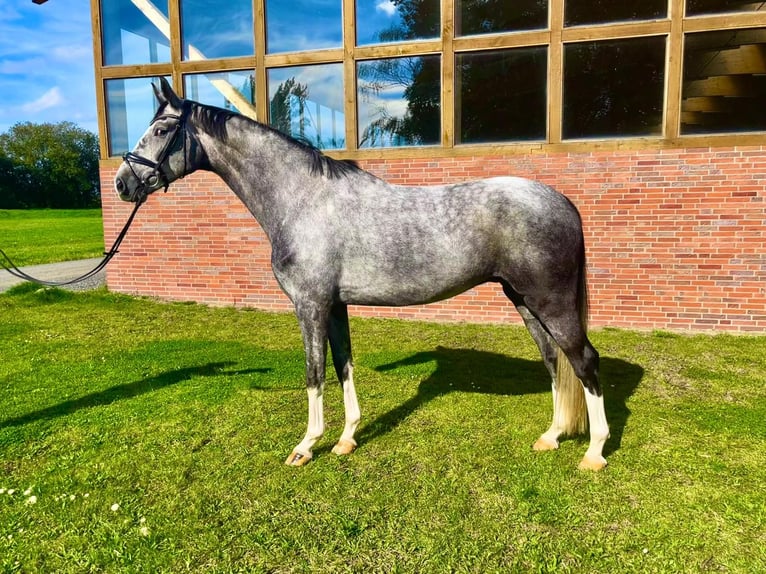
(163, 153)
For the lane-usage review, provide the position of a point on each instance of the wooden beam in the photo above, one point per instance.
(731, 86)
(714, 104)
(156, 17)
(749, 59)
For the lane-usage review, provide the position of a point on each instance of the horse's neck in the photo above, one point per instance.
(250, 165)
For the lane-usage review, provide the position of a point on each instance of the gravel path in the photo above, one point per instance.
(63, 271)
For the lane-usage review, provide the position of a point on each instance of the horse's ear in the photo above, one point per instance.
(165, 94)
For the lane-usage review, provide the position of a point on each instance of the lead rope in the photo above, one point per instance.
(11, 268)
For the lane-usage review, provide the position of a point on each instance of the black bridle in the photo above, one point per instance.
(155, 176)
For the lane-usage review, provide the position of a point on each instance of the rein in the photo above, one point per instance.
(157, 175)
(11, 268)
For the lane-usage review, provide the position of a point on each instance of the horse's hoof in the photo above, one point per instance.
(344, 447)
(544, 444)
(594, 463)
(297, 459)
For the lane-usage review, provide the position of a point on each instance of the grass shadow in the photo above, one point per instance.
(125, 391)
(472, 371)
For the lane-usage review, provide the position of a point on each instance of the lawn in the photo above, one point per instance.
(140, 436)
(32, 236)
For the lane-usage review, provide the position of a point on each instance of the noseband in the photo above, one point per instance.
(157, 175)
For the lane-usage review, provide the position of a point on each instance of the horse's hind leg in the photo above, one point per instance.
(565, 327)
(549, 440)
(340, 346)
(572, 362)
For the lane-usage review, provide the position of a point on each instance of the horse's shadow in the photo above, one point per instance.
(468, 370)
(126, 391)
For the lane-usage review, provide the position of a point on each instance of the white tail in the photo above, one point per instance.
(570, 410)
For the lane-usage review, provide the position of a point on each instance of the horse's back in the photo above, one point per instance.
(402, 245)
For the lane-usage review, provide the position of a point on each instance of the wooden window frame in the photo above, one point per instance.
(555, 37)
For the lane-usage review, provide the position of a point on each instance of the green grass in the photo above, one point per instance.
(183, 415)
(32, 236)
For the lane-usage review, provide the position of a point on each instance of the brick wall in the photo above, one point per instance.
(676, 239)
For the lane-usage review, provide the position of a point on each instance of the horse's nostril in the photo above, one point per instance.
(119, 184)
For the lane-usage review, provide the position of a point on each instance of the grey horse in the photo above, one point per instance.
(341, 236)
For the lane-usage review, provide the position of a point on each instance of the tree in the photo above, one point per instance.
(48, 165)
(289, 93)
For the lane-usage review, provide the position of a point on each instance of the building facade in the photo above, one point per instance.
(648, 114)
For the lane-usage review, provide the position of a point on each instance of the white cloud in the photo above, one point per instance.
(387, 7)
(50, 99)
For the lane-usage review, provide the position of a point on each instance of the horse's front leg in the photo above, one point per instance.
(313, 321)
(340, 346)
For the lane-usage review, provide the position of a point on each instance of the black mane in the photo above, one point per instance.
(213, 120)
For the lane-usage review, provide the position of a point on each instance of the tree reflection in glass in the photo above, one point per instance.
(306, 102)
(399, 101)
(382, 21)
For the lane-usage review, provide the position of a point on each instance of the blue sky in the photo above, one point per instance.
(46, 63)
(46, 55)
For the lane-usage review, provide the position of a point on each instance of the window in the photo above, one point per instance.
(579, 12)
(724, 82)
(614, 88)
(212, 29)
(131, 105)
(511, 74)
(381, 21)
(130, 35)
(306, 102)
(229, 90)
(490, 16)
(398, 101)
(502, 95)
(303, 25)
(698, 7)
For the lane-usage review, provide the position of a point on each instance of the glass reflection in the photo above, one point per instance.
(579, 12)
(724, 82)
(212, 29)
(306, 102)
(399, 101)
(381, 21)
(698, 7)
(303, 25)
(614, 88)
(489, 16)
(130, 106)
(502, 95)
(228, 90)
(135, 33)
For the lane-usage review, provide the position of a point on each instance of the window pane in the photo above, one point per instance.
(130, 106)
(134, 35)
(399, 101)
(229, 90)
(502, 95)
(379, 21)
(724, 86)
(212, 29)
(307, 103)
(486, 16)
(614, 88)
(578, 12)
(303, 25)
(697, 7)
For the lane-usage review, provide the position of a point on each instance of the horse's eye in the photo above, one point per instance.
(160, 132)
